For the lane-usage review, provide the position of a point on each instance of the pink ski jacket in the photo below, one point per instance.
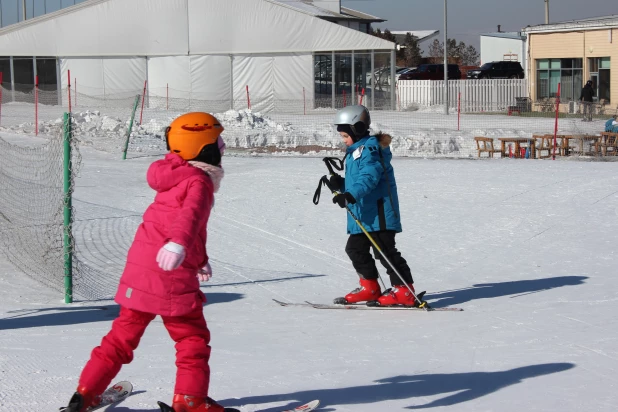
(178, 214)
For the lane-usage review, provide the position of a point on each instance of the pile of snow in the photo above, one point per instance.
(244, 129)
(422, 131)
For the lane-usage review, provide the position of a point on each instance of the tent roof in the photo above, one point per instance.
(180, 27)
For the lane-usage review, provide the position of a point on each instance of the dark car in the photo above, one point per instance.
(498, 70)
(432, 72)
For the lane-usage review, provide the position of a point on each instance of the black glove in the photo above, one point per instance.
(335, 183)
(342, 199)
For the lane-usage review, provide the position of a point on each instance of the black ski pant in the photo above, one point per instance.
(358, 250)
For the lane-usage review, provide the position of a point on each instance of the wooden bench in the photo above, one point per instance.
(608, 140)
(485, 145)
(546, 143)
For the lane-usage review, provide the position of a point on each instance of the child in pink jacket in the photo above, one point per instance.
(164, 266)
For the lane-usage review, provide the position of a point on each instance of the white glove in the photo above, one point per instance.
(171, 256)
(205, 273)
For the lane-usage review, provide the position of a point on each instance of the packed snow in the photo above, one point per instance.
(525, 247)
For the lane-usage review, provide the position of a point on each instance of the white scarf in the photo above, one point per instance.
(214, 172)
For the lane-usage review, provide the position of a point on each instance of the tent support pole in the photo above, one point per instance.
(333, 68)
(231, 82)
(392, 88)
(12, 79)
(373, 80)
(353, 82)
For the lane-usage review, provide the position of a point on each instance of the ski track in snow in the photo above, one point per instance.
(288, 241)
(527, 248)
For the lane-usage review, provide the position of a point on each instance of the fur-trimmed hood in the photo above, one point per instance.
(384, 139)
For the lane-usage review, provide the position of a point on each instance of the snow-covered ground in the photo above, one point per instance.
(426, 132)
(526, 247)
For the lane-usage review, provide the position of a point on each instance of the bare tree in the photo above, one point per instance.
(412, 53)
(457, 52)
(471, 57)
(436, 51)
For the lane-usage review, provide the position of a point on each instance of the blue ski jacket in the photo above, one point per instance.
(370, 178)
(610, 126)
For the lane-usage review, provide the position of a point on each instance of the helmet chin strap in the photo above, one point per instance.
(355, 138)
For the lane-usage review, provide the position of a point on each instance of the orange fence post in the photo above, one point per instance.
(143, 98)
(556, 124)
(0, 97)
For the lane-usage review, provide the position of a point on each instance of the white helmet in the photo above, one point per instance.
(356, 117)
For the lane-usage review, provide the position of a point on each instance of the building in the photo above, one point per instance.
(570, 53)
(421, 35)
(197, 51)
(503, 46)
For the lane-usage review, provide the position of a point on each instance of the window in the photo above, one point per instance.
(24, 74)
(600, 76)
(566, 72)
(323, 74)
(46, 70)
(364, 27)
(5, 69)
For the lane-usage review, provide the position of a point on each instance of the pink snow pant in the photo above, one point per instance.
(192, 351)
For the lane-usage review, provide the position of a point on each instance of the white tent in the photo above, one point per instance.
(194, 49)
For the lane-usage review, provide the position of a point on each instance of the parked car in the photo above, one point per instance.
(383, 75)
(498, 70)
(403, 71)
(432, 72)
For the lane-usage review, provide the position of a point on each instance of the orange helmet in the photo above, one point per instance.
(191, 132)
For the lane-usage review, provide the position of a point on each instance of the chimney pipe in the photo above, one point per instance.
(499, 28)
(546, 11)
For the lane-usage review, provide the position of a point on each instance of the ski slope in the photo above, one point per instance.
(526, 247)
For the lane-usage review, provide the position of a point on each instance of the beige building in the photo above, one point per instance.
(571, 53)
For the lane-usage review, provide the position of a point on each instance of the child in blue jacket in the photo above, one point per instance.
(612, 124)
(370, 191)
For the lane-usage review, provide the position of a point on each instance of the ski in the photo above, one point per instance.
(308, 407)
(166, 408)
(362, 306)
(112, 395)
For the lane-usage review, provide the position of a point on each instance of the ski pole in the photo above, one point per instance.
(423, 304)
(330, 163)
(333, 162)
(316, 198)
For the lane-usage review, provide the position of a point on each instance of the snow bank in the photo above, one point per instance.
(421, 131)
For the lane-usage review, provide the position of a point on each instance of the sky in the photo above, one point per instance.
(469, 18)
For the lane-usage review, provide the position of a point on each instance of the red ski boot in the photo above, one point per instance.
(186, 403)
(398, 295)
(82, 400)
(369, 290)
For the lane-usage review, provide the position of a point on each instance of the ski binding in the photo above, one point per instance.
(112, 395)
